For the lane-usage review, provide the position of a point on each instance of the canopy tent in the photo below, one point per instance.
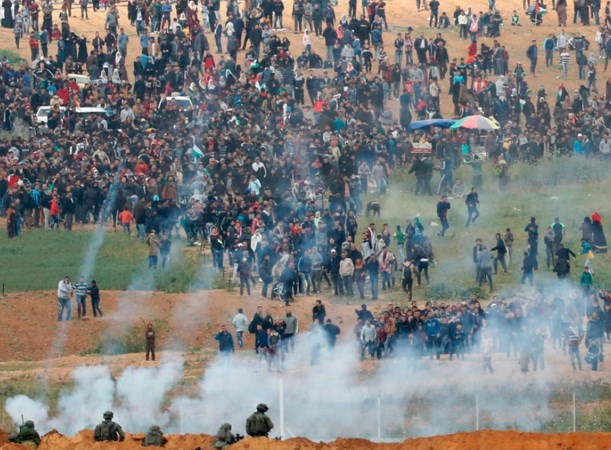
(476, 123)
(441, 123)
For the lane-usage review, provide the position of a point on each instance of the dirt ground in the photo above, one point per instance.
(190, 320)
(401, 14)
(506, 440)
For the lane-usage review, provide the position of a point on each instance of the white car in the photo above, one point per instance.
(182, 102)
(81, 80)
(42, 115)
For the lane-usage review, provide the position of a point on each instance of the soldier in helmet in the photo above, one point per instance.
(27, 435)
(154, 437)
(258, 424)
(108, 430)
(224, 437)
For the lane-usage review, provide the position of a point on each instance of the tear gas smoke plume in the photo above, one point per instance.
(326, 395)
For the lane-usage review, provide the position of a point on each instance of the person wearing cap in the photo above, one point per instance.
(578, 145)
(259, 424)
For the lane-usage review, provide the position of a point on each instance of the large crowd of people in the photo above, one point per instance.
(229, 147)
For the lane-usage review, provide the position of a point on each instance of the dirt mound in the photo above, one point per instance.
(84, 441)
(506, 440)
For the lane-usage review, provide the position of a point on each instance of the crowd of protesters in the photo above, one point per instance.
(271, 182)
(524, 327)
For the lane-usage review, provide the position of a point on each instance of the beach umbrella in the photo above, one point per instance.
(440, 123)
(476, 123)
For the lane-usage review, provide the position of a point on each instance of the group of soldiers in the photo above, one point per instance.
(258, 424)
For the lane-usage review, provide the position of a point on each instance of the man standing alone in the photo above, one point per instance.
(532, 54)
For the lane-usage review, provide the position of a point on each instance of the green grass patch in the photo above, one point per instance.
(38, 259)
(567, 188)
(12, 56)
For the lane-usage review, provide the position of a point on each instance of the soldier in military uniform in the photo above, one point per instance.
(154, 438)
(224, 437)
(27, 435)
(108, 430)
(258, 424)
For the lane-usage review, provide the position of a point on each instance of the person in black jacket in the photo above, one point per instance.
(68, 209)
(501, 251)
(529, 265)
(319, 312)
(443, 207)
(472, 201)
(94, 293)
(225, 341)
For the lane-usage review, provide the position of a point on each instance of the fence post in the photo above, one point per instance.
(574, 413)
(281, 409)
(379, 419)
(476, 412)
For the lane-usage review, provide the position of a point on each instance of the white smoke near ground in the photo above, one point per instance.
(327, 394)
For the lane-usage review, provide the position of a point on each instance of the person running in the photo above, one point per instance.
(472, 202)
(443, 208)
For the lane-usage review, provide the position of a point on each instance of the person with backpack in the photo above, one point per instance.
(258, 424)
(108, 430)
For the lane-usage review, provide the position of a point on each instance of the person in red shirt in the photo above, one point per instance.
(126, 218)
(55, 211)
(34, 46)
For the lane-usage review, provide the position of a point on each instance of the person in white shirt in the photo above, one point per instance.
(65, 291)
(368, 339)
(254, 186)
(240, 322)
